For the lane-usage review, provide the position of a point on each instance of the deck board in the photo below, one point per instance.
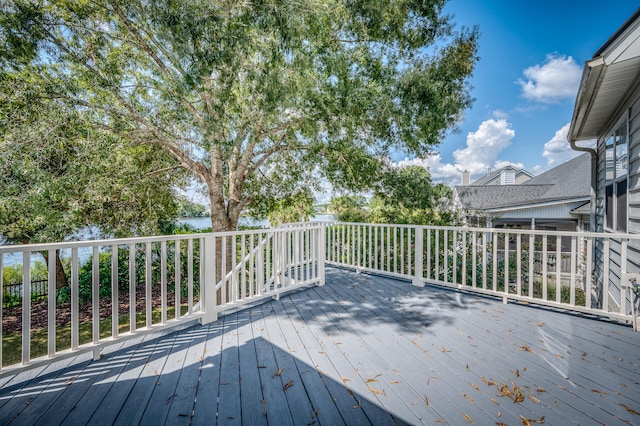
(362, 349)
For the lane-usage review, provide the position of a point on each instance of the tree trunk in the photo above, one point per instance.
(61, 277)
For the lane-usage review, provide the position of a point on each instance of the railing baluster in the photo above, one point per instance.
(544, 267)
(494, 275)
(147, 283)
(572, 296)
(177, 281)
(51, 304)
(484, 261)
(395, 250)
(506, 263)
(519, 264)
(26, 307)
(252, 279)
(588, 273)
(375, 246)
(132, 288)
(605, 278)
(463, 278)
(474, 259)
(115, 305)
(428, 254)
(454, 256)
(558, 268)
(75, 281)
(190, 276)
(223, 268)
(445, 256)
(531, 263)
(95, 294)
(243, 269)
(437, 255)
(388, 249)
(163, 281)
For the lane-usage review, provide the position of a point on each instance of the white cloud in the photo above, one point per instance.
(557, 150)
(480, 155)
(484, 146)
(557, 79)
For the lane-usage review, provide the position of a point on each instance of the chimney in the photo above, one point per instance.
(465, 178)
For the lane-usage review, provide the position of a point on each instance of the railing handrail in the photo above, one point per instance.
(19, 248)
(588, 234)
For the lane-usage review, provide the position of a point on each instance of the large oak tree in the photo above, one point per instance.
(250, 96)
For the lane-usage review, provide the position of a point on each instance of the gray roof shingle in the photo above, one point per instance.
(569, 180)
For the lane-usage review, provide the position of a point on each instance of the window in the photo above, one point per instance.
(616, 170)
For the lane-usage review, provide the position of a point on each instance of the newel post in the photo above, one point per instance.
(418, 279)
(208, 286)
(322, 252)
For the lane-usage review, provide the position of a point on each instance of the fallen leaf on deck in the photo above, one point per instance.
(476, 387)
(533, 398)
(288, 385)
(415, 343)
(445, 349)
(540, 324)
(630, 410)
(372, 380)
(467, 418)
(598, 391)
(264, 407)
(394, 382)
(527, 422)
(517, 373)
(468, 398)
(262, 366)
(440, 421)
(494, 401)
(499, 414)
(315, 413)
(345, 380)
(277, 373)
(527, 349)
(426, 400)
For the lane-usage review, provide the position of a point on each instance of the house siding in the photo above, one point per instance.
(633, 223)
(559, 211)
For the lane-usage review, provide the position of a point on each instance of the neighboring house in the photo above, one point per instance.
(507, 175)
(553, 200)
(607, 109)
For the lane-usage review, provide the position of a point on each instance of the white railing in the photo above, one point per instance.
(124, 287)
(513, 264)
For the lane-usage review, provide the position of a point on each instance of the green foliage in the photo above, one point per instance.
(12, 274)
(61, 174)
(249, 96)
(186, 208)
(349, 208)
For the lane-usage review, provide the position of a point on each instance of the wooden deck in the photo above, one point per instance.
(360, 350)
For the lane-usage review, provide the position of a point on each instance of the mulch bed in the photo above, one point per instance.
(12, 317)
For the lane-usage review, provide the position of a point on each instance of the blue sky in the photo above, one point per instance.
(525, 82)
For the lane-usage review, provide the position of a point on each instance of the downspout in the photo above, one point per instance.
(595, 65)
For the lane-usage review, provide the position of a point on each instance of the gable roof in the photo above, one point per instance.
(486, 179)
(568, 181)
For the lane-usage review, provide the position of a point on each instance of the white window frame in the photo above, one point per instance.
(618, 137)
